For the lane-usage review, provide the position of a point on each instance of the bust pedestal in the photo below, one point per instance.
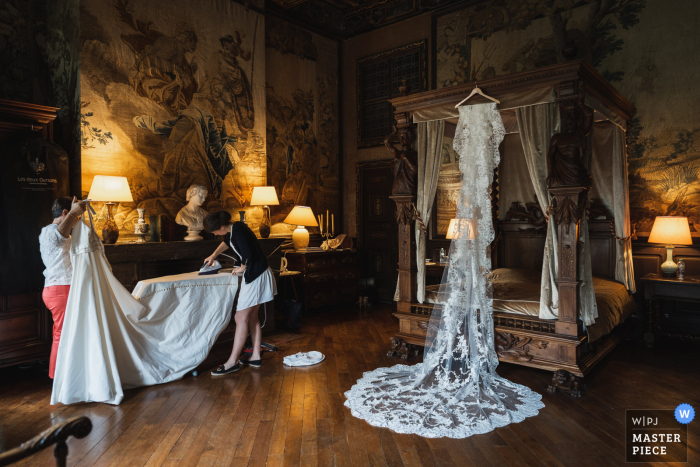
(193, 236)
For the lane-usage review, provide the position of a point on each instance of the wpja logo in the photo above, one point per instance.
(657, 435)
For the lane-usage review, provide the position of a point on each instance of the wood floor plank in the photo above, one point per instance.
(392, 455)
(324, 429)
(261, 446)
(279, 429)
(292, 448)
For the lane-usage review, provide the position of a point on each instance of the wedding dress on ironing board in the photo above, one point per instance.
(111, 342)
(455, 392)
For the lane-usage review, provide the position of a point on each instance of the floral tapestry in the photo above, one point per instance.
(173, 96)
(302, 121)
(644, 48)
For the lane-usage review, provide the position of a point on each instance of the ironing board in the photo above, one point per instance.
(174, 286)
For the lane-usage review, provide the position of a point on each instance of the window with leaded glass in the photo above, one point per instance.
(378, 79)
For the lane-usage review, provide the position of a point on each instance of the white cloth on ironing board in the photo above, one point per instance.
(113, 341)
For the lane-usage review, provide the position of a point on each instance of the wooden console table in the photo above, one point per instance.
(330, 277)
(658, 287)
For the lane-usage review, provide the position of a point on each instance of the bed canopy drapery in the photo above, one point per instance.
(534, 115)
(568, 180)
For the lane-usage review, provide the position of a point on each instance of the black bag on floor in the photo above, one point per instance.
(292, 314)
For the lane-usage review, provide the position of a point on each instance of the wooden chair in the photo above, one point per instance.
(58, 434)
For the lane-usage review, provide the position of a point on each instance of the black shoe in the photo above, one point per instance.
(221, 370)
(253, 363)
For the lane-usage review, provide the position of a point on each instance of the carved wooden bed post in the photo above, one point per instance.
(569, 183)
(403, 192)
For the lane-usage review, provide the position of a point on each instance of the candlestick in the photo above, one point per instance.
(326, 220)
(333, 224)
(320, 223)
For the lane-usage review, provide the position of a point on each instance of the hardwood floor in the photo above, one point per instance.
(280, 416)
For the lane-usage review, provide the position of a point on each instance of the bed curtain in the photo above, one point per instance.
(429, 147)
(537, 124)
(612, 187)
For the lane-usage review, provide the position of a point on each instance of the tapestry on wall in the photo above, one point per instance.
(173, 96)
(628, 41)
(302, 125)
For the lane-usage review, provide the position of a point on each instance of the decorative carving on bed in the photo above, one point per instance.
(405, 161)
(564, 381)
(531, 213)
(514, 348)
(510, 320)
(568, 148)
(405, 157)
(568, 205)
(403, 192)
(402, 349)
(404, 212)
(597, 209)
(567, 261)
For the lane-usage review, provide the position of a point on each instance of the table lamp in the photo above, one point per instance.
(264, 196)
(469, 225)
(111, 190)
(671, 230)
(302, 216)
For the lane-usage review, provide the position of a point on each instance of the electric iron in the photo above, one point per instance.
(211, 269)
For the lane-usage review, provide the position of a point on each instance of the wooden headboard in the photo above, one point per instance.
(520, 239)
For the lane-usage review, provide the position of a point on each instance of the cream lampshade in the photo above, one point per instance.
(468, 226)
(451, 230)
(110, 190)
(671, 230)
(301, 216)
(264, 196)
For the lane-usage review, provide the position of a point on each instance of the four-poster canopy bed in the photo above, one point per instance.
(566, 146)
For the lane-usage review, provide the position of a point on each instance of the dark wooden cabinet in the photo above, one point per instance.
(329, 277)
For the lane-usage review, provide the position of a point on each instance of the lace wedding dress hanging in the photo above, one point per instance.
(455, 392)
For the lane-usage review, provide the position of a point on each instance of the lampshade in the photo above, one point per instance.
(671, 230)
(264, 196)
(110, 189)
(301, 215)
(451, 229)
(468, 226)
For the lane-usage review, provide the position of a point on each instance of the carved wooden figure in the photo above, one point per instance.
(405, 162)
(568, 148)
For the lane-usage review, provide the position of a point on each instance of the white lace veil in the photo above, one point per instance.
(455, 392)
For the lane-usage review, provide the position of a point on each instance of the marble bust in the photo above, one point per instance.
(192, 214)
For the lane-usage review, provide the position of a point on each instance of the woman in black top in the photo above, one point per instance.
(258, 285)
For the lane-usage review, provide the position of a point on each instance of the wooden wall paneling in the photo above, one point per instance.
(377, 229)
(25, 329)
(25, 323)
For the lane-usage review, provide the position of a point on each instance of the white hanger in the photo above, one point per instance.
(476, 90)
